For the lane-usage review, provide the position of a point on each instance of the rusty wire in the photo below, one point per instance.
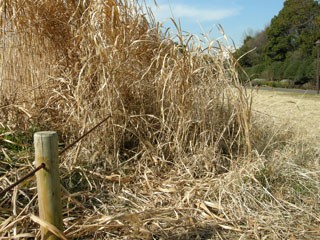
(42, 165)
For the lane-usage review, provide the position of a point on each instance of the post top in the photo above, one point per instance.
(45, 133)
(318, 42)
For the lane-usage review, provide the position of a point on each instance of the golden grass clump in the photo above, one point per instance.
(176, 160)
(72, 64)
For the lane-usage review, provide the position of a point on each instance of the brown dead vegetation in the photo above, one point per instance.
(180, 158)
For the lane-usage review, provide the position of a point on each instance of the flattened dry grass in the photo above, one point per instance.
(178, 159)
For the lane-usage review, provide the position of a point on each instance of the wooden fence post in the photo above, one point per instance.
(48, 184)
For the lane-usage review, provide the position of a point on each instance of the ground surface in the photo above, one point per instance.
(290, 108)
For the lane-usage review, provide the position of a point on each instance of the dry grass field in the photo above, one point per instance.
(299, 110)
(182, 155)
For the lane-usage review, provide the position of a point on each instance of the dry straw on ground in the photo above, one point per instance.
(178, 159)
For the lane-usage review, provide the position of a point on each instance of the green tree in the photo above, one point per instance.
(285, 49)
(251, 52)
(296, 26)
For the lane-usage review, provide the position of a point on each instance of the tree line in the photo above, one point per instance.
(286, 48)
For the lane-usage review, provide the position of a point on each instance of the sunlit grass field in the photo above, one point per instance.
(297, 109)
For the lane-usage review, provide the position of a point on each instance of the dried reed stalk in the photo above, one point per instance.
(180, 141)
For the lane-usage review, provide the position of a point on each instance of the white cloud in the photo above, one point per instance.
(186, 11)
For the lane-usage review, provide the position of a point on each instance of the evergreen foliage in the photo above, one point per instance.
(286, 48)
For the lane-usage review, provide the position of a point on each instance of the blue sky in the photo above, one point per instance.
(237, 17)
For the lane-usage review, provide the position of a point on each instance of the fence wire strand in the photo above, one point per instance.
(42, 165)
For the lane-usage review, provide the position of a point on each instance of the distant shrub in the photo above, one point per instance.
(258, 82)
(286, 83)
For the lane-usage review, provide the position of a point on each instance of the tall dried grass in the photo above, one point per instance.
(176, 159)
(76, 63)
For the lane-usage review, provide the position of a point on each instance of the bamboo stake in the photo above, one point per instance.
(48, 184)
